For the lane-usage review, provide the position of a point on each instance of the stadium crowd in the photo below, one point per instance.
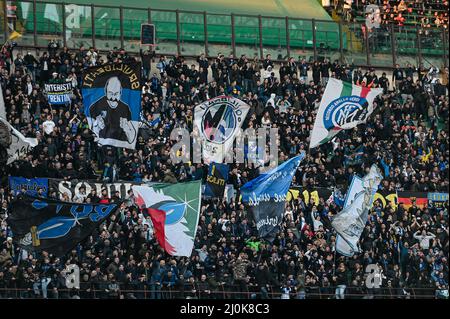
(408, 132)
(426, 14)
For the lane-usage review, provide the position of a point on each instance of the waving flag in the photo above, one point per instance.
(267, 193)
(112, 103)
(343, 107)
(2, 104)
(218, 120)
(14, 142)
(158, 218)
(177, 208)
(350, 222)
(216, 180)
(42, 224)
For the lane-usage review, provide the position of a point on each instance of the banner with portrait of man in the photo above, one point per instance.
(112, 103)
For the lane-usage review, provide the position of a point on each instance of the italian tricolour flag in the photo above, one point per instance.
(343, 106)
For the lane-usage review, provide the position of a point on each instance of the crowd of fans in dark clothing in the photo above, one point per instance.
(408, 131)
(426, 14)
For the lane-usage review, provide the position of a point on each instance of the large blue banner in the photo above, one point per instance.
(112, 103)
(31, 185)
(267, 195)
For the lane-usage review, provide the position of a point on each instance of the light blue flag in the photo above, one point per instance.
(266, 194)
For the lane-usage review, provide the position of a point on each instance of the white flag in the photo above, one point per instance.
(343, 106)
(2, 104)
(175, 212)
(15, 143)
(218, 121)
(350, 222)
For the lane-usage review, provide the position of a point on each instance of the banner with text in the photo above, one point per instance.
(58, 93)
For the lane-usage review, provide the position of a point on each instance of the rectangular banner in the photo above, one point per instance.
(112, 103)
(58, 93)
(31, 185)
(72, 188)
(409, 198)
(437, 200)
(322, 192)
(343, 106)
(216, 179)
(308, 194)
(218, 121)
(178, 207)
(54, 226)
(266, 195)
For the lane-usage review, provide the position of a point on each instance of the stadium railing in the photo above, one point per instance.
(228, 292)
(190, 33)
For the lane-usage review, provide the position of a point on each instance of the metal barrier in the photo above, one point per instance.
(191, 33)
(225, 292)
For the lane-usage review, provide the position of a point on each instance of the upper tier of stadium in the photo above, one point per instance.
(305, 9)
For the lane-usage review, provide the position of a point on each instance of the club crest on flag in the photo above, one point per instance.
(218, 121)
(343, 106)
(342, 112)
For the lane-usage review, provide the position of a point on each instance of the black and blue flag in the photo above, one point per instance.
(216, 179)
(267, 193)
(48, 225)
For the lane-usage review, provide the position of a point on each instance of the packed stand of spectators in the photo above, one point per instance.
(122, 258)
(425, 13)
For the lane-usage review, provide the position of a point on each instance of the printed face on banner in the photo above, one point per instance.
(112, 98)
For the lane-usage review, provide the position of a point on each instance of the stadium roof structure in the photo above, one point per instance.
(304, 9)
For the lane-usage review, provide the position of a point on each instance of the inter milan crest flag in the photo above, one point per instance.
(216, 180)
(267, 193)
(175, 211)
(41, 224)
(343, 106)
(112, 103)
(218, 121)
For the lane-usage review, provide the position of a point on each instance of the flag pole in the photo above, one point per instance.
(334, 258)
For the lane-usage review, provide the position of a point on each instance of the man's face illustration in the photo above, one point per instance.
(113, 92)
